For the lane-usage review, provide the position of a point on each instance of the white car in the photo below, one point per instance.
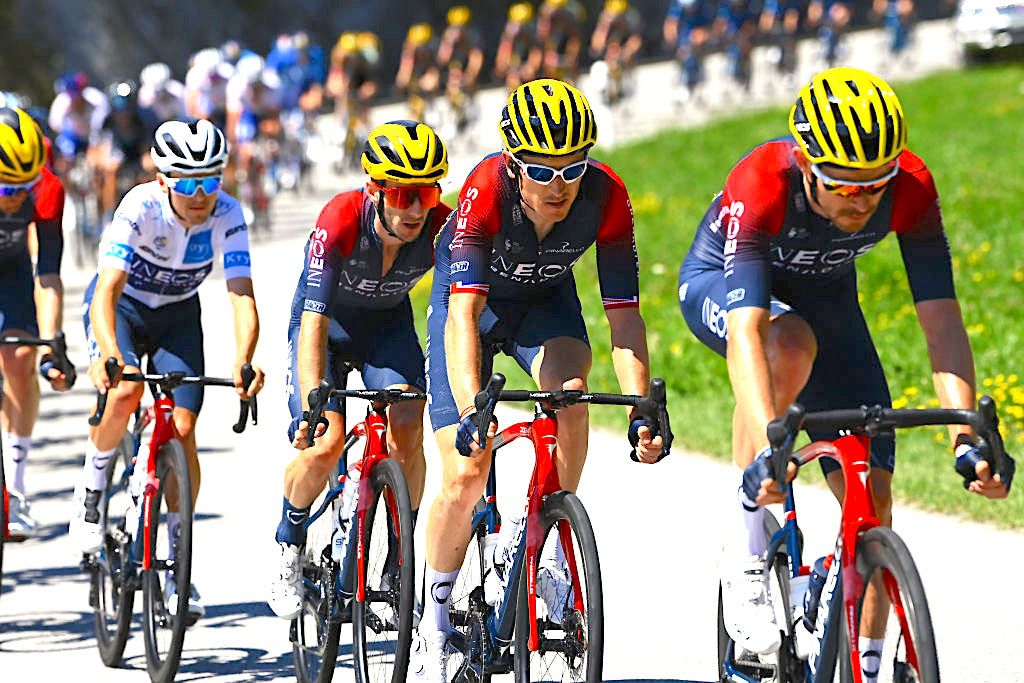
(985, 25)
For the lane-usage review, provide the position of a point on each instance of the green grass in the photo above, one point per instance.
(967, 127)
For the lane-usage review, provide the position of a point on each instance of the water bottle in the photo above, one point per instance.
(802, 638)
(814, 585)
(346, 512)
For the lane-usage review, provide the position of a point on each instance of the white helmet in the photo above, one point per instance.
(189, 148)
(155, 75)
(249, 67)
(207, 59)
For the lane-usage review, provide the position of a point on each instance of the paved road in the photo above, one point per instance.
(658, 529)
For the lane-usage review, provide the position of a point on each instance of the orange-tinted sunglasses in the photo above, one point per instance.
(400, 197)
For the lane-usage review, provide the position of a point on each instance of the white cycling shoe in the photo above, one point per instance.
(20, 524)
(86, 528)
(428, 658)
(196, 611)
(286, 590)
(747, 609)
(554, 587)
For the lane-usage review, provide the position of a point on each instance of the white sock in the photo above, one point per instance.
(16, 450)
(94, 472)
(753, 521)
(438, 587)
(553, 554)
(173, 527)
(870, 657)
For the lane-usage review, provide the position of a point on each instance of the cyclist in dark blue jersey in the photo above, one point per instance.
(504, 277)
(351, 305)
(769, 283)
(686, 31)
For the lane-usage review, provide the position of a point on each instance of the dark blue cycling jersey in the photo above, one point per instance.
(343, 258)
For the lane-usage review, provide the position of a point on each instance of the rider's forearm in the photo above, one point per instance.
(462, 349)
(247, 326)
(949, 351)
(630, 356)
(749, 372)
(49, 295)
(311, 353)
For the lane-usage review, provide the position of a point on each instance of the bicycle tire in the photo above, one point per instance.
(880, 548)
(112, 628)
(387, 477)
(787, 667)
(565, 507)
(315, 649)
(162, 662)
(467, 608)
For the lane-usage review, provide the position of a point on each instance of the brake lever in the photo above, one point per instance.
(111, 366)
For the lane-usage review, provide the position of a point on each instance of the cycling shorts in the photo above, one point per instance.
(70, 145)
(171, 335)
(381, 344)
(519, 327)
(846, 373)
(17, 297)
(248, 126)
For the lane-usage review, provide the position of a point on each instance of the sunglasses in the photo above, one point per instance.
(399, 197)
(852, 188)
(187, 187)
(542, 174)
(13, 190)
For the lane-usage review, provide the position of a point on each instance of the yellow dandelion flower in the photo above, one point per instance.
(901, 402)
(910, 391)
(676, 349)
(985, 247)
(987, 382)
(1000, 378)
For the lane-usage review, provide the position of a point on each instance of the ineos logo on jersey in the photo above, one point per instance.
(713, 317)
(729, 216)
(317, 248)
(528, 272)
(815, 261)
(465, 206)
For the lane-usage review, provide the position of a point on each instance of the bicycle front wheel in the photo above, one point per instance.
(167, 584)
(112, 590)
(570, 648)
(908, 654)
(382, 623)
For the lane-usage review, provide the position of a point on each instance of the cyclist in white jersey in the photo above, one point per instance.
(76, 114)
(160, 246)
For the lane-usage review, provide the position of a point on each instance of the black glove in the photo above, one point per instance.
(50, 362)
(634, 435)
(293, 426)
(468, 433)
(969, 457)
(756, 472)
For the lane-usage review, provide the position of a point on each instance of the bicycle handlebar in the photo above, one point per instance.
(168, 381)
(60, 352)
(653, 406)
(876, 420)
(380, 398)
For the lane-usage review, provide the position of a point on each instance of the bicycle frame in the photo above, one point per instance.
(544, 481)
(858, 516)
(160, 414)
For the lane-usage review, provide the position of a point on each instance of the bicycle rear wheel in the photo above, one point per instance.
(572, 650)
(908, 654)
(164, 624)
(382, 624)
(112, 589)
(316, 631)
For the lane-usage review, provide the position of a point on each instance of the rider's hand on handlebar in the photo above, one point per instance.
(643, 436)
(298, 431)
(758, 484)
(98, 374)
(977, 473)
(467, 440)
(247, 392)
(51, 372)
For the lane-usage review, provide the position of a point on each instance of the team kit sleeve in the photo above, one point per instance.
(49, 214)
(331, 241)
(618, 268)
(235, 245)
(917, 221)
(751, 211)
(119, 238)
(477, 221)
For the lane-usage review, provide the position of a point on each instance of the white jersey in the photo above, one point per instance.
(166, 104)
(83, 122)
(166, 262)
(208, 88)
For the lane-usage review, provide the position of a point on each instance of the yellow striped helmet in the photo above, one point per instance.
(22, 151)
(419, 34)
(459, 15)
(405, 153)
(520, 13)
(849, 118)
(547, 117)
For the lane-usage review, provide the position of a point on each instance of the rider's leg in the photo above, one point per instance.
(306, 476)
(405, 443)
(20, 407)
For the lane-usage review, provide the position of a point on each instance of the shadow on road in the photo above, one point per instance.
(46, 631)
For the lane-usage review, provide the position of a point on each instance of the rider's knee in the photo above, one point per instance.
(124, 398)
(791, 348)
(405, 427)
(463, 486)
(18, 364)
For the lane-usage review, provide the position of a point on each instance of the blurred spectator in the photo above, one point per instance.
(519, 51)
(560, 30)
(159, 94)
(687, 31)
(418, 75)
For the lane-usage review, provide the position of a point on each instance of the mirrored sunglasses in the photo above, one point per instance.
(852, 188)
(399, 197)
(188, 187)
(542, 174)
(14, 189)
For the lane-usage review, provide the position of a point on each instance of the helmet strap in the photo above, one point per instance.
(380, 216)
